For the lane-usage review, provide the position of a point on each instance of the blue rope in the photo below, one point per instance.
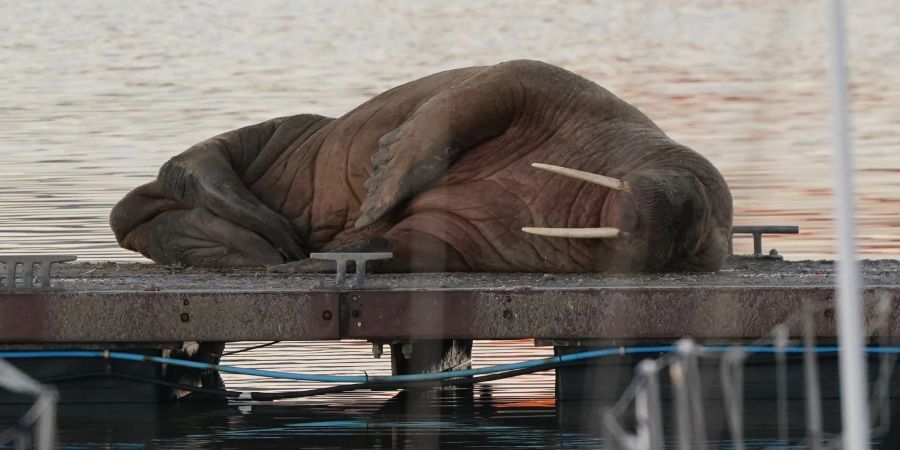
(434, 376)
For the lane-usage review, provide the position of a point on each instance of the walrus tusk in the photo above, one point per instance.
(610, 182)
(583, 233)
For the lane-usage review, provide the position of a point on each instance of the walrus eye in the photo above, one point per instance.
(582, 233)
(610, 182)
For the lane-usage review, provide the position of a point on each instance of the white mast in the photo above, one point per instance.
(854, 404)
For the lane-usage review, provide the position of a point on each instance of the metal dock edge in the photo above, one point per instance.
(606, 313)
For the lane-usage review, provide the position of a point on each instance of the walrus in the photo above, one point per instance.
(518, 167)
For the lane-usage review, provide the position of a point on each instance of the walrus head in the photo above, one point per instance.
(654, 219)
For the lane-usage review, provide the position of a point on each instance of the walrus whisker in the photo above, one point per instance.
(610, 182)
(582, 233)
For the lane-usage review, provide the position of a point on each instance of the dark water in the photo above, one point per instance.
(96, 95)
(466, 423)
(463, 421)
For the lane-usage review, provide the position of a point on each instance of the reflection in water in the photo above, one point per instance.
(98, 94)
(355, 358)
(471, 422)
(466, 419)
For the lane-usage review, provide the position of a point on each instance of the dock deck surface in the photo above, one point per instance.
(117, 276)
(131, 302)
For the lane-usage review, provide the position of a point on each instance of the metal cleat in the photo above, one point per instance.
(758, 232)
(341, 259)
(12, 262)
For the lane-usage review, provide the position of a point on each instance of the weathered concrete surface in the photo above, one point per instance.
(108, 276)
(112, 302)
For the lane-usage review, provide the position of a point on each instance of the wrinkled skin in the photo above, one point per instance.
(438, 171)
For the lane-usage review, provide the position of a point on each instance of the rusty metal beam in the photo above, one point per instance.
(167, 316)
(606, 313)
(663, 313)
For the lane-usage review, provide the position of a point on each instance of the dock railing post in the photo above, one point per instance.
(731, 372)
(854, 408)
(687, 392)
(41, 416)
(780, 338)
(648, 407)
(811, 379)
(881, 391)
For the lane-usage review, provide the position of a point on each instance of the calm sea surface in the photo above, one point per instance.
(96, 95)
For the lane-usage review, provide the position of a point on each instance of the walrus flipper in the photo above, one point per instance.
(149, 221)
(208, 175)
(419, 151)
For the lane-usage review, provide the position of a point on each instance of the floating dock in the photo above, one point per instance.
(152, 309)
(100, 303)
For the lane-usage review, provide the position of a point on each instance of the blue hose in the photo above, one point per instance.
(434, 376)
